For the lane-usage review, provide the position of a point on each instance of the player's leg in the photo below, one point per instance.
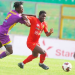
(35, 50)
(8, 49)
(30, 57)
(42, 52)
(7, 52)
(6, 42)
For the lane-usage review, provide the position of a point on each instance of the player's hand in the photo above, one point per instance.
(74, 55)
(51, 30)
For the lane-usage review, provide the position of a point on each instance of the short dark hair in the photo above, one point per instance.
(17, 4)
(42, 12)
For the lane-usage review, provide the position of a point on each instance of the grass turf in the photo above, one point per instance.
(8, 66)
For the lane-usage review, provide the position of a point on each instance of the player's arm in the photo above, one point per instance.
(49, 33)
(30, 15)
(27, 22)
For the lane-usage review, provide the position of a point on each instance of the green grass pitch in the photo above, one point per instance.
(8, 66)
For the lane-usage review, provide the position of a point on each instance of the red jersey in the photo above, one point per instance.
(36, 29)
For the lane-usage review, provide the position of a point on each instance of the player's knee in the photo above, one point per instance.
(11, 52)
(9, 48)
(7, 52)
(35, 54)
(43, 52)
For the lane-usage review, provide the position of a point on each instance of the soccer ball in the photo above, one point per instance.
(67, 66)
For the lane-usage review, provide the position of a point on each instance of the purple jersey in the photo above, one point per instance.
(10, 21)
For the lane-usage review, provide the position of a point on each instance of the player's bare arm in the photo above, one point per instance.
(27, 22)
(49, 33)
(29, 15)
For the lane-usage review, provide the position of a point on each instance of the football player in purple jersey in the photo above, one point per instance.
(13, 17)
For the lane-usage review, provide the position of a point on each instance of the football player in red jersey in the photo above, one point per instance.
(36, 28)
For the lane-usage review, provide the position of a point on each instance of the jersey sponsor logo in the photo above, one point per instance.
(37, 25)
(37, 32)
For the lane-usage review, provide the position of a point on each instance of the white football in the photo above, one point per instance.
(67, 66)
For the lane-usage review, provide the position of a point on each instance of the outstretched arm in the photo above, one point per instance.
(27, 22)
(29, 15)
(49, 33)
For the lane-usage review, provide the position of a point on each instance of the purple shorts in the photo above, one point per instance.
(4, 39)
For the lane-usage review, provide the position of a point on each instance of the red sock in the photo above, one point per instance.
(42, 57)
(28, 59)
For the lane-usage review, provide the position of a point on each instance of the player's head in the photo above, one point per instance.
(42, 16)
(18, 7)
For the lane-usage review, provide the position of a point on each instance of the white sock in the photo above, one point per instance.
(22, 63)
(40, 63)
